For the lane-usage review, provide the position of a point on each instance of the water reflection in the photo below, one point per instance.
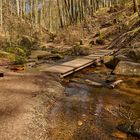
(86, 112)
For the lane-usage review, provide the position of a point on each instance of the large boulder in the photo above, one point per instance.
(127, 68)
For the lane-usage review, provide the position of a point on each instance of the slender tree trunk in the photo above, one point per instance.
(59, 12)
(1, 15)
(136, 7)
(18, 7)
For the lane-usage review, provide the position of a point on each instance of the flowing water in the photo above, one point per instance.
(92, 113)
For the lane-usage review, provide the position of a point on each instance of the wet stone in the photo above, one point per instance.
(111, 78)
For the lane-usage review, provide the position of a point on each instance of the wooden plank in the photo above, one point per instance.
(72, 66)
(77, 62)
(76, 69)
(59, 69)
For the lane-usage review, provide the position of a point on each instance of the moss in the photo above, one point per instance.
(20, 60)
(100, 40)
(19, 53)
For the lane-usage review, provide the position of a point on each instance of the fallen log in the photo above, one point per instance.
(114, 84)
(94, 83)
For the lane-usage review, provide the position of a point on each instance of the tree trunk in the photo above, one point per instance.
(1, 15)
(136, 7)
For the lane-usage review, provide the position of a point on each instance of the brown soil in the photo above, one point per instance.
(24, 101)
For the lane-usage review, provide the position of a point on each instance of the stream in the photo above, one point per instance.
(92, 113)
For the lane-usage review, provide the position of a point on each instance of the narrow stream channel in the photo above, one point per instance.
(87, 112)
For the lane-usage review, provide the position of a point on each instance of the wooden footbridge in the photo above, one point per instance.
(67, 68)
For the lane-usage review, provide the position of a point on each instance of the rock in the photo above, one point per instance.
(126, 127)
(92, 42)
(80, 50)
(127, 68)
(136, 128)
(110, 62)
(111, 78)
(100, 41)
(46, 46)
(121, 58)
(26, 41)
(107, 59)
(134, 54)
(56, 56)
(131, 128)
(80, 123)
(119, 135)
(39, 54)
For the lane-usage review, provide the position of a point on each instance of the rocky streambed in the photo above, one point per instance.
(91, 112)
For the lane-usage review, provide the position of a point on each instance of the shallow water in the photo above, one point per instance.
(91, 113)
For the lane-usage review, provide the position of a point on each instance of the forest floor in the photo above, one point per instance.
(35, 105)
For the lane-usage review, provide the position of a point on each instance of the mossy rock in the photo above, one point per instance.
(110, 62)
(100, 41)
(56, 56)
(80, 50)
(26, 41)
(39, 54)
(20, 60)
(92, 42)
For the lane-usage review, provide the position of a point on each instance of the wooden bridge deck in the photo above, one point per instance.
(72, 66)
